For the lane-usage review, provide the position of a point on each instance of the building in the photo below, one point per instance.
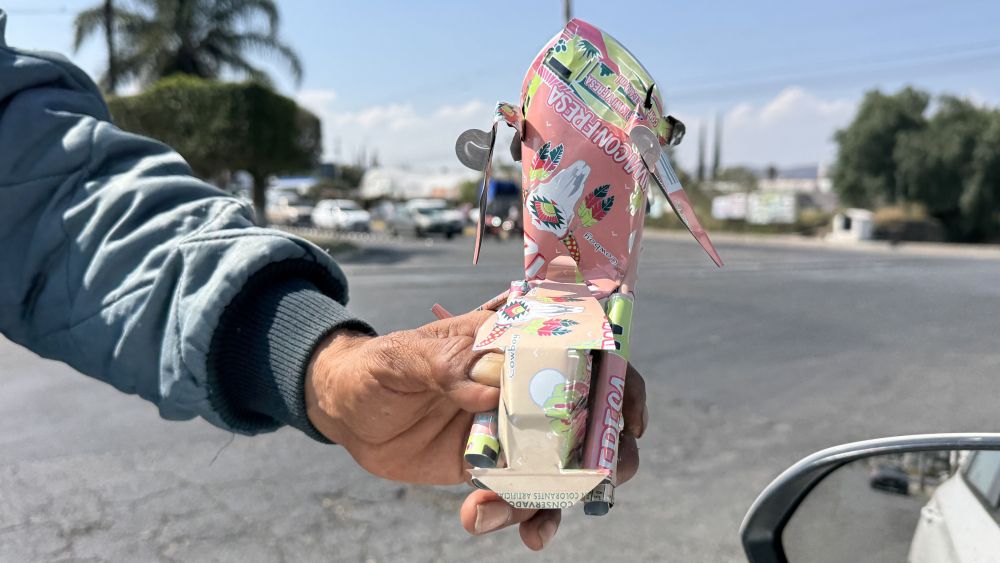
(805, 179)
(852, 225)
(395, 183)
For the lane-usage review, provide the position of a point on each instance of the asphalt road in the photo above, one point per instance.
(845, 519)
(749, 368)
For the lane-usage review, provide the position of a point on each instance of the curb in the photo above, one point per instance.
(947, 250)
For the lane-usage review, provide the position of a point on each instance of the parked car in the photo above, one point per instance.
(341, 215)
(890, 478)
(423, 217)
(288, 211)
(959, 522)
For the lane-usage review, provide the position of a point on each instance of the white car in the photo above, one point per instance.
(959, 524)
(341, 215)
(288, 211)
(424, 217)
(436, 216)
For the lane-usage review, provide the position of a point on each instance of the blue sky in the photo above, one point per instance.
(404, 78)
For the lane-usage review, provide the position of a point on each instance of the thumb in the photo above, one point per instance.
(474, 397)
(462, 375)
(481, 392)
(455, 369)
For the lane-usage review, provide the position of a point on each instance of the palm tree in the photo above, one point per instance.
(205, 38)
(588, 49)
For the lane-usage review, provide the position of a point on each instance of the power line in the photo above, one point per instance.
(36, 11)
(941, 67)
(884, 58)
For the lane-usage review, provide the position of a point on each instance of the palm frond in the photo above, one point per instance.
(227, 12)
(202, 37)
(243, 66)
(86, 24)
(263, 44)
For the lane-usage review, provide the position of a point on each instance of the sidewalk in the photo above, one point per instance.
(938, 249)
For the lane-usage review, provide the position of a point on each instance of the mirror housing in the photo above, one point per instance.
(761, 531)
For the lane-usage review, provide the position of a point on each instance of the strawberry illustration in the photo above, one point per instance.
(556, 327)
(546, 160)
(545, 299)
(507, 113)
(595, 206)
(492, 337)
(551, 327)
(574, 248)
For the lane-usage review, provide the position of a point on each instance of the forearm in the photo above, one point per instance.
(267, 339)
(117, 261)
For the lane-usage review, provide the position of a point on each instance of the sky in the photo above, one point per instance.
(403, 79)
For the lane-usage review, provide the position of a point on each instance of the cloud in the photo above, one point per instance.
(795, 127)
(401, 133)
(316, 100)
(472, 108)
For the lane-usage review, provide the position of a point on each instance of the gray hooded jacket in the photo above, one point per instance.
(115, 260)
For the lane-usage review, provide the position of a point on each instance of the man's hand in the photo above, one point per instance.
(402, 406)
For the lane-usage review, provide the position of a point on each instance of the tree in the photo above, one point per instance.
(468, 191)
(344, 183)
(221, 127)
(934, 163)
(980, 201)
(865, 171)
(947, 163)
(87, 23)
(202, 38)
(741, 175)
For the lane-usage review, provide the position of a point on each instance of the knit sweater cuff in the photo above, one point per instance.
(264, 343)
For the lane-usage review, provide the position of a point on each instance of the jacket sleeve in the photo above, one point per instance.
(115, 260)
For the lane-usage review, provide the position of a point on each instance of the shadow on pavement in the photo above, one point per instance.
(385, 253)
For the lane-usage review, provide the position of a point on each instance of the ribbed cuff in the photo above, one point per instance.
(265, 341)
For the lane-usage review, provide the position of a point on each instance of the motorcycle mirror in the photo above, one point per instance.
(474, 148)
(921, 499)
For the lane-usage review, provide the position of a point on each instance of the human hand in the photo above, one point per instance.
(402, 406)
(484, 511)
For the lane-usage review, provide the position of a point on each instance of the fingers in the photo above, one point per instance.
(636, 416)
(461, 325)
(439, 357)
(634, 411)
(473, 397)
(486, 370)
(539, 530)
(628, 458)
(470, 379)
(484, 512)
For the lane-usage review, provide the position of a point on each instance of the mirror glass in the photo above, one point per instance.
(921, 507)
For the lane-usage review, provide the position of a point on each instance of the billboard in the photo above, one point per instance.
(768, 208)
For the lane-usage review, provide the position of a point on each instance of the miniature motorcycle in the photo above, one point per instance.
(591, 134)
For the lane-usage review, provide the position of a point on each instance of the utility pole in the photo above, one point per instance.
(567, 10)
(701, 153)
(717, 156)
(109, 36)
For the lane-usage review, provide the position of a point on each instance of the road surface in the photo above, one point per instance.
(749, 368)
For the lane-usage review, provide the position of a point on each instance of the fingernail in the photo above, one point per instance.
(645, 421)
(492, 516)
(547, 531)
